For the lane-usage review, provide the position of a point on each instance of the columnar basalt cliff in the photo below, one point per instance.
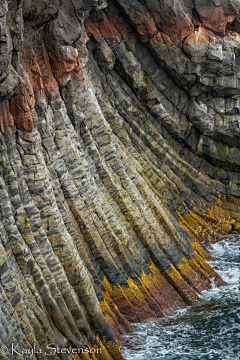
(119, 163)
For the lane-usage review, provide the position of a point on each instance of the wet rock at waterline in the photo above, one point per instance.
(209, 331)
(119, 162)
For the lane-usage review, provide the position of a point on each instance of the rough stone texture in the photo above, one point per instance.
(119, 162)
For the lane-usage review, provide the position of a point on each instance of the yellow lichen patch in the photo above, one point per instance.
(221, 217)
(234, 211)
(83, 356)
(116, 320)
(110, 351)
(191, 222)
(201, 251)
(191, 229)
(160, 289)
(189, 295)
(111, 310)
(106, 309)
(133, 301)
(159, 293)
(222, 212)
(87, 354)
(118, 296)
(197, 217)
(155, 297)
(210, 272)
(195, 229)
(143, 296)
(191, 276)
(203, 269)
(114, 351)
(106, 351)
(231, 209)
(235, 201)
(108, 313)
(73, 357)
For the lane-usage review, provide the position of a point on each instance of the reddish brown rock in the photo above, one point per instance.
(6, 119)
(65, 63)
(92, 28)
(176, 27)
(37, 65)
(215, 18)
(22, 104)
(144, 23)
(102, 25)
(175, 19)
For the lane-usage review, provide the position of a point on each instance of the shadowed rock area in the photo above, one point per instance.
(119, 163)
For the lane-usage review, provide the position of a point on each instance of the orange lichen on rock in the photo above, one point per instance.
(201, 251)
(104, 351)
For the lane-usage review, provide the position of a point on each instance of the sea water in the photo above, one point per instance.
(210, 331)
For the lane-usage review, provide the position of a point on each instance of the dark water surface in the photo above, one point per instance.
(210, 331)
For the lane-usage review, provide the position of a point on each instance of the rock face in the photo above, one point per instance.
(119, 162)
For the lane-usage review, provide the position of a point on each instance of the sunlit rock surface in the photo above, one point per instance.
(119, 162)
